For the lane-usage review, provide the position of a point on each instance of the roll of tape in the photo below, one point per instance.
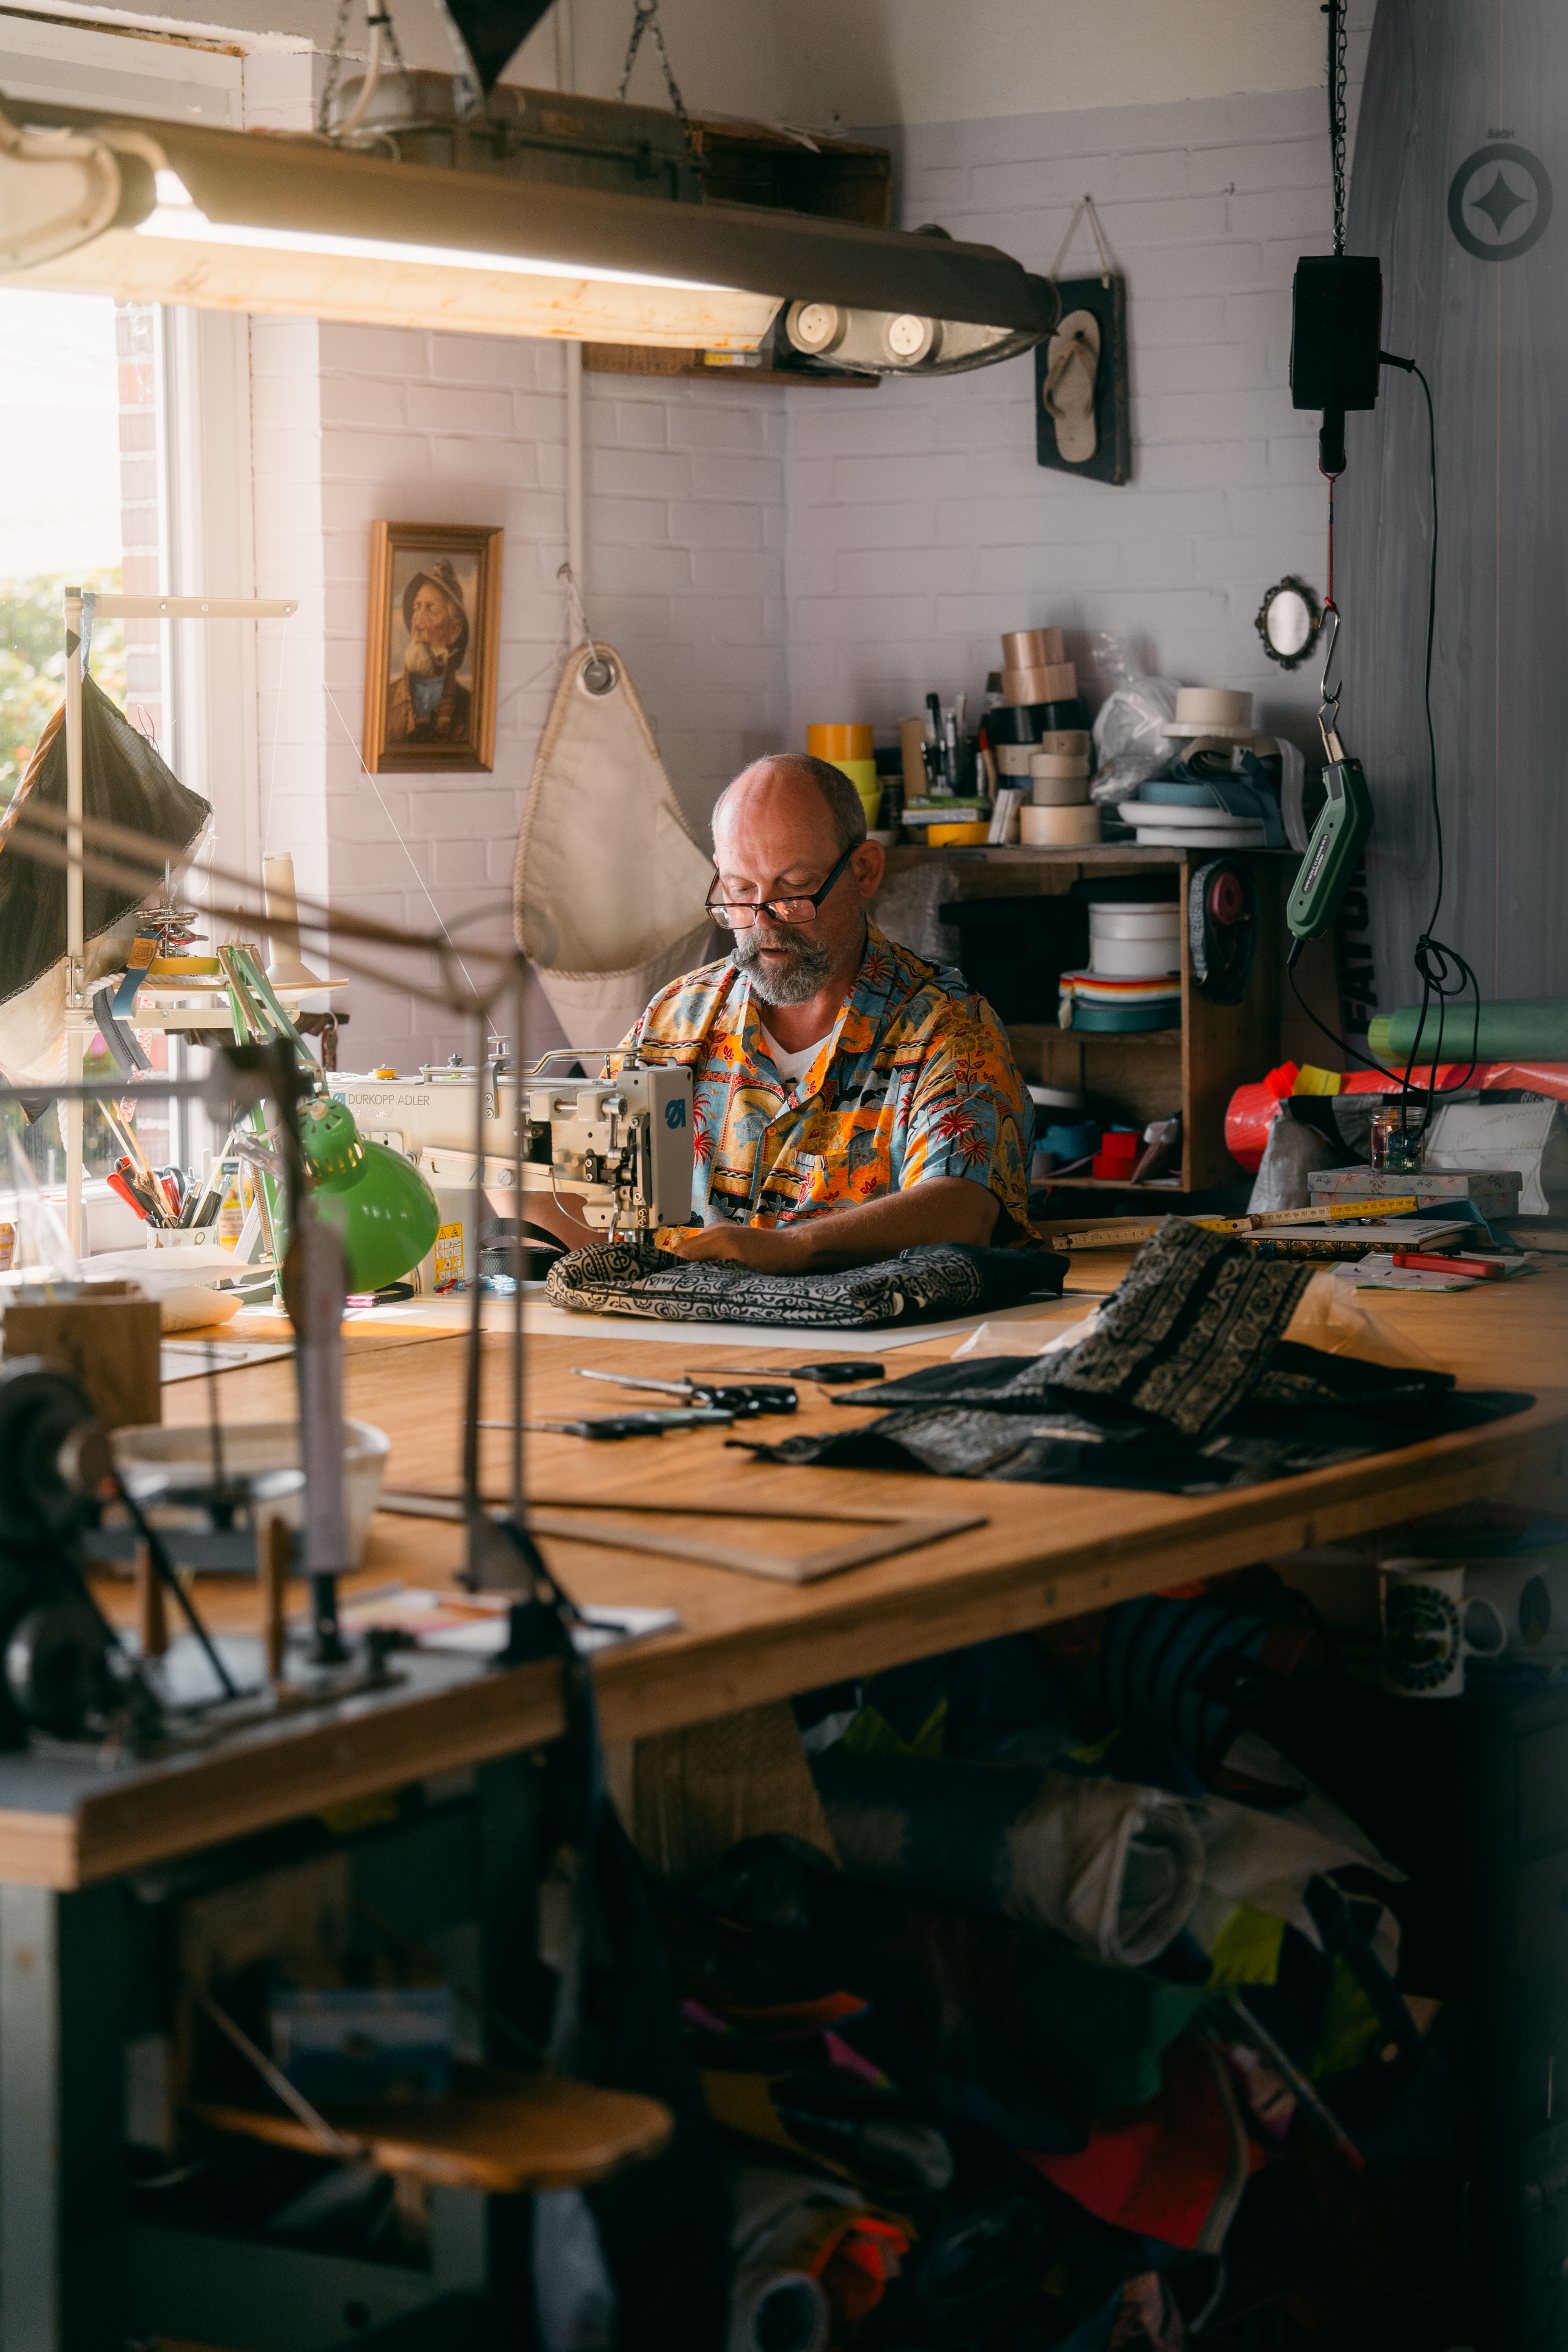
(1058, 763)
(1213, 705)
(1058, 827)
(1013, 760)
(1054, 682)
(1031, 648)
(1058, 792)
(836, 741)
(1067, 740)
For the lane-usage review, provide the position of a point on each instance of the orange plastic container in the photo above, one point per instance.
(846, 741)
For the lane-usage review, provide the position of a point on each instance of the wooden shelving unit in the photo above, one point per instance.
(1140, 1075)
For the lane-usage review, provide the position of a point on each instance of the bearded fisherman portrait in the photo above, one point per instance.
(427, 704)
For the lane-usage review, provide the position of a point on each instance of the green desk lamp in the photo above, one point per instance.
(380, 1203)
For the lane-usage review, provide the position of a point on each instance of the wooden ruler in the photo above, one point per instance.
(1132, 1231)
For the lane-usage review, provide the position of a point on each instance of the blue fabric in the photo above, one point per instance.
(1164, 1666)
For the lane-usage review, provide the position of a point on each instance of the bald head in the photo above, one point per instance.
(793, 785)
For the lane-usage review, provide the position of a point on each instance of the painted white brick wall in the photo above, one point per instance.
(920, 525)
(761, 557)
(685, 569)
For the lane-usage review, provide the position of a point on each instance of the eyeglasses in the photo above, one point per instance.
(740, 913)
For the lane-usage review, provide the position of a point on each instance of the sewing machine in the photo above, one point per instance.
(620, 1146)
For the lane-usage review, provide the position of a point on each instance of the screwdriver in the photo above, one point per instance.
(838, 1372)
(637, 1424)
(770, 1396)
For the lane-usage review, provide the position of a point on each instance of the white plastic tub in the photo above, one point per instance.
(1134, 958)
(1135, 922)
(250, 1446)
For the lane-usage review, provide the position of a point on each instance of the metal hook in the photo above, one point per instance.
(1328, 696)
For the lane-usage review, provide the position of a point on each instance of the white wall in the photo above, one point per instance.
(763, 558)
(826, 61)
(685, 570)
(921, 523)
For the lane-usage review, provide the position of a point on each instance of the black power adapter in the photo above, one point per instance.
(1336, 329)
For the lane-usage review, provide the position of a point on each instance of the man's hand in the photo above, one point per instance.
(942, 1209)
(780, 1249)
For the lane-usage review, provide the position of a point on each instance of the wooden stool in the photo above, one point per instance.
(506, 2135)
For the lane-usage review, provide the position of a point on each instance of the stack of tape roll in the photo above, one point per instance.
(1058, 828)
(848, 745)
(1059, 779)
(1059, 813)
(1014, 760)
(1093, 999)
(1137, 939)
(1035, 668)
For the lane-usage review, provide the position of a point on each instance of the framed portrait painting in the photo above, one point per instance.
(431, 647)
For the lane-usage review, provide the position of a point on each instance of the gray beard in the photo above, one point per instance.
(422, 660)
(795, 984)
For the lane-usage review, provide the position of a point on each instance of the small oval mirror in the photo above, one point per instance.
(1289, 620)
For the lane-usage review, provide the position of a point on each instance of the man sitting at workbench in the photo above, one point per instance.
(849, 1099)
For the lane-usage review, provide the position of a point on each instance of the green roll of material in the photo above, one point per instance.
(1534, 1029)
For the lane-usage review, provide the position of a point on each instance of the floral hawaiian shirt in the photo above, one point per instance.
(916, 1080)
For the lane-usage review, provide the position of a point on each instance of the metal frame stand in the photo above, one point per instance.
(80, 1020)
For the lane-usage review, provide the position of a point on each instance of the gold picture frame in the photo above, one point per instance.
(432, 645)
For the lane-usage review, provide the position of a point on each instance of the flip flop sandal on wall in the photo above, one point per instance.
(1067, 393)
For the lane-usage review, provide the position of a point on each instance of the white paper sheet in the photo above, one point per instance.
(544, 1321)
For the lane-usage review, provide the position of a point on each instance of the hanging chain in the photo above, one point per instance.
(381, 15)
(399, 62)
(645, 19)
(334, 67)
(1338, 42)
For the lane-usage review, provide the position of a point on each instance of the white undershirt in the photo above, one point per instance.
(793, 1066)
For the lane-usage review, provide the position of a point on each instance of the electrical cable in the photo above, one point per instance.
(1435, 961)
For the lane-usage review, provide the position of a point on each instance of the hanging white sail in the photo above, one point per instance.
(609, 886)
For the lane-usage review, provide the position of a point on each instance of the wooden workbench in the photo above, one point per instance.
(1044, 1552)
(93, 1849)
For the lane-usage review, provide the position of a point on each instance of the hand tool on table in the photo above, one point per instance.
(769, 1396)
(122, 1180)
(652, 1423)
(836, 1373)
(1478, 1269)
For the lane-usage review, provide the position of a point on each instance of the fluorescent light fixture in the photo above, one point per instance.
(176, 215)
(180, 213)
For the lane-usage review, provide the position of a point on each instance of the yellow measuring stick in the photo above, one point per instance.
(1335, 1213)
(1128, 1234)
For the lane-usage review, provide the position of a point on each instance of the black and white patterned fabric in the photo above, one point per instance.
(930, 1284)
(1191, 1327)
(1048, 1448)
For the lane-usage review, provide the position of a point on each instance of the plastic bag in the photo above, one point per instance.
(1328, 1316)
(1129, 743)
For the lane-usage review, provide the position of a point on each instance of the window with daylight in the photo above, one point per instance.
(84, 503)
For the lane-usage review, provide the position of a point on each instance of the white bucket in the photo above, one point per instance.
(255, 1446)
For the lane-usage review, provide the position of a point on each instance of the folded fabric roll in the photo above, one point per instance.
(809, 2253)
(774, 2310)
(927, 1284)
(1115, 1869)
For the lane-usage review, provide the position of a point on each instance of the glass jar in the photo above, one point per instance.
(1397, 1139)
